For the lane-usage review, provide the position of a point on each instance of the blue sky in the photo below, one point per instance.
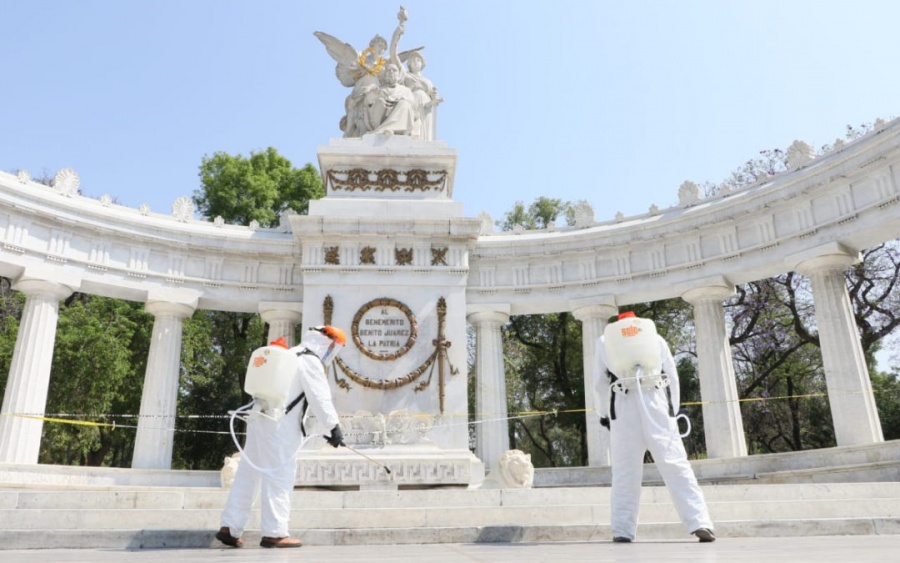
(613, 102)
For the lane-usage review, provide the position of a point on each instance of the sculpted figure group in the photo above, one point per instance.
(386, 98)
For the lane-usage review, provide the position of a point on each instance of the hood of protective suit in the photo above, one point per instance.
(325, 342)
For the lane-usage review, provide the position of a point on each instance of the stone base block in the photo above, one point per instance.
(390, 467)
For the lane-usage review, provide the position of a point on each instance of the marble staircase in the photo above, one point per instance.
(835, 491)
(42, 516)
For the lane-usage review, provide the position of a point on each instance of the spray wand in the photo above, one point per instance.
(359, 453)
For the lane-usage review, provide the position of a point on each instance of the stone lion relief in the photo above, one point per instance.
(514, 471)
(226, 476)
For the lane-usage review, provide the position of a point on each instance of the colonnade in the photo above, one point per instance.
(853, 410)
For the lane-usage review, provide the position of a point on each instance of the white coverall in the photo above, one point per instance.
(273, 446)
(632, 434)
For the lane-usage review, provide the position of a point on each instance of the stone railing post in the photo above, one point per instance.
(593, 322)
(29, 372)
(156, 425)
(722, 419)
(853, 410)
(491, 413)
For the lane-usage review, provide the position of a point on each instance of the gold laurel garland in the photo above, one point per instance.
(384, 384)
(441, 344)
(379, 62)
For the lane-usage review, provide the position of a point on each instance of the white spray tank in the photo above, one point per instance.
(269, 375)
(632, 351)
(632, 342)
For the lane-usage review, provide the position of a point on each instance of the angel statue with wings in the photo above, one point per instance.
(381, 99)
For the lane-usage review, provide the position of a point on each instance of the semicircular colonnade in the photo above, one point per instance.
(813, 219)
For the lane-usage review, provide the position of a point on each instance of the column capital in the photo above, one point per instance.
(43, 279)
(168, 308)
(36, 287)
(496, 312)
(498, 317)
(832, 256)
(715, 288)
(273, 311)
(603, 306)
(589, 312)
(175, 302)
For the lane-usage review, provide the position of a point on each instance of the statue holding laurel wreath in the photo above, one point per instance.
(380, 100)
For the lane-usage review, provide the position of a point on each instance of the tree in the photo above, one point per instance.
(215, 348)
(258, 188)
(541, 214)
(95, 374)
(217, 344)
(545, 369)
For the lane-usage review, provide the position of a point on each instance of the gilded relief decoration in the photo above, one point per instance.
(387, 180)
(439, 256)
(367, 255)
(403, 256)
(378, 330)
(332, 255)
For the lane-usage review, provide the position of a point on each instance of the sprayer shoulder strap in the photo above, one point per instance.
(301, 396)
(612, 396)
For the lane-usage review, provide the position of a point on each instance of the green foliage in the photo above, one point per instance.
(539, 215)
(258, 188)
(545, 373)
(886, 387)
(214, 354)
(217, 344)
(93, 374)
(11, 304)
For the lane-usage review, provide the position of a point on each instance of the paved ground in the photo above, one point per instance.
(844, 549)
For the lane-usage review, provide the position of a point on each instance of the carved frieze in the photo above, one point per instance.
(387, 180)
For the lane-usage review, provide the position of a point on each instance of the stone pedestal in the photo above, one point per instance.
(385, 257)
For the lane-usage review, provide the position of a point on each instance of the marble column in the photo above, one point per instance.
(593, 322)
(491, 424)
(156, 425)
(29, 372)
(722, 421)
(282, 318)
(850, 396)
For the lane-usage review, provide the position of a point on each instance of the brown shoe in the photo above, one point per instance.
(280, 542)
(705, 535)
(224, 536)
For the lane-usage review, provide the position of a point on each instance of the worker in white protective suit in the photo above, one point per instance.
(638, 405)
(268, 462)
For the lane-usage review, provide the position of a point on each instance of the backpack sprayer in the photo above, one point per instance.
(270, 372)
(632, 352)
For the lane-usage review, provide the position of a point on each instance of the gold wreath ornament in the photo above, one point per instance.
(363, 57)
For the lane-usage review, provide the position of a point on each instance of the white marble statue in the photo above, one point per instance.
(385, 98)
(514, 471)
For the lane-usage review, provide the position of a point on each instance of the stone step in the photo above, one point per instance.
(16, 497)
(120, 517)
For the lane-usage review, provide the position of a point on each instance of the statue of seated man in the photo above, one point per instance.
(393, 108)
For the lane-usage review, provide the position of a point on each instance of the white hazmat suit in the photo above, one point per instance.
(642, 419)
(272, 445)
